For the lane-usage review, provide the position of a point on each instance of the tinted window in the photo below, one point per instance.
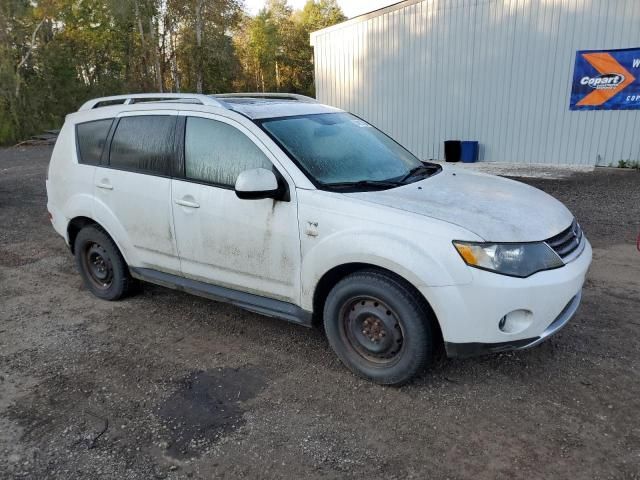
(143, 144)
(91, 137)
(216, 152)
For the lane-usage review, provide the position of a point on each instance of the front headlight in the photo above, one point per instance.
(514, 259)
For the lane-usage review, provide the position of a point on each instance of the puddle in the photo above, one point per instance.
(208, 405)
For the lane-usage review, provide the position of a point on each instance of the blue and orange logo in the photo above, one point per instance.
(613, 79)
(605, 80)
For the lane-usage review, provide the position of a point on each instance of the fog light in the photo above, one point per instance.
(516, 321)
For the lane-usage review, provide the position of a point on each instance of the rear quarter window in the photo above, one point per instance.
(91, 138)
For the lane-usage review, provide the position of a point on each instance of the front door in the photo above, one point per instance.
(247, 245)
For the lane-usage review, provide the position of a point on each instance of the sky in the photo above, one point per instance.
(351, 8)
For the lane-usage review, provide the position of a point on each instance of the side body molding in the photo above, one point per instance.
(248, 301)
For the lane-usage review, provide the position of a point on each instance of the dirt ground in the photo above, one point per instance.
(167, 385)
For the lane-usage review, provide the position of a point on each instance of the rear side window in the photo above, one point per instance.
(91, 137)
(217, 153)
(144, 144)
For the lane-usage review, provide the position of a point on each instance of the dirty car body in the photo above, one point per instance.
(301, 211)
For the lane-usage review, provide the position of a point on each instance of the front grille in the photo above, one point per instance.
(567, 241)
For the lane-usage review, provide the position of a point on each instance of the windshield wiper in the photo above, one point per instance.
(415, 171)
(365, 183)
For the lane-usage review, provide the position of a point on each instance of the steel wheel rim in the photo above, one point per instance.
(98, 266)
(372, 329)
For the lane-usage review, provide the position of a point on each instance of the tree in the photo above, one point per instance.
(55, 54)
(273, 47)
(263, 45)
(204, 50)
(315, 15)
(23, 31)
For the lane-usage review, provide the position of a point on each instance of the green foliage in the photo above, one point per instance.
(274, 48)
(56, 54)
(204, 55)
(635, 164)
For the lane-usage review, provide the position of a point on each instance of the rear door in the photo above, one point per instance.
(133, 188)
(246, 245)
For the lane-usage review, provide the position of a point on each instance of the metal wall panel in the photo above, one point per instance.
(496, 71)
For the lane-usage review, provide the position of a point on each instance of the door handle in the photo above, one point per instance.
(104, 184)
(187, 203)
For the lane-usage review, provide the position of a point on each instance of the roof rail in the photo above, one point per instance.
(271, 95)
(150, 97)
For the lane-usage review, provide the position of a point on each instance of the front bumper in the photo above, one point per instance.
(536, 307)
(466, 350)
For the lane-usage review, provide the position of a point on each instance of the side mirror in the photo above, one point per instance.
(257, 184)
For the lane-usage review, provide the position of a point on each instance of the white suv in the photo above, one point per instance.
(301, 211)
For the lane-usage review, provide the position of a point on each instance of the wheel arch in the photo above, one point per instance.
(75, 225)
(78, 223)
(330, 278)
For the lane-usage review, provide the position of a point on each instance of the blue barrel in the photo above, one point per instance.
(469, 152)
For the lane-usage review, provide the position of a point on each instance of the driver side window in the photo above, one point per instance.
(215, 152)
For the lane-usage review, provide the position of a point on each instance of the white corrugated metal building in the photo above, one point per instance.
(496, 71)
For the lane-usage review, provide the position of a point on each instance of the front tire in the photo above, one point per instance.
(101, 265)
(378, 327)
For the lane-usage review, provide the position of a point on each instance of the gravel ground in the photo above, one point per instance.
(525, 170)
(167, 385)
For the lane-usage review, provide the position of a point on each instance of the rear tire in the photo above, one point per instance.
(379, 327)
(101, 265)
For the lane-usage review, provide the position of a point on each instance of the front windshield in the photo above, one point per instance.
(338, 148)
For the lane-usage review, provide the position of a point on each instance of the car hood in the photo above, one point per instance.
(494, 208)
